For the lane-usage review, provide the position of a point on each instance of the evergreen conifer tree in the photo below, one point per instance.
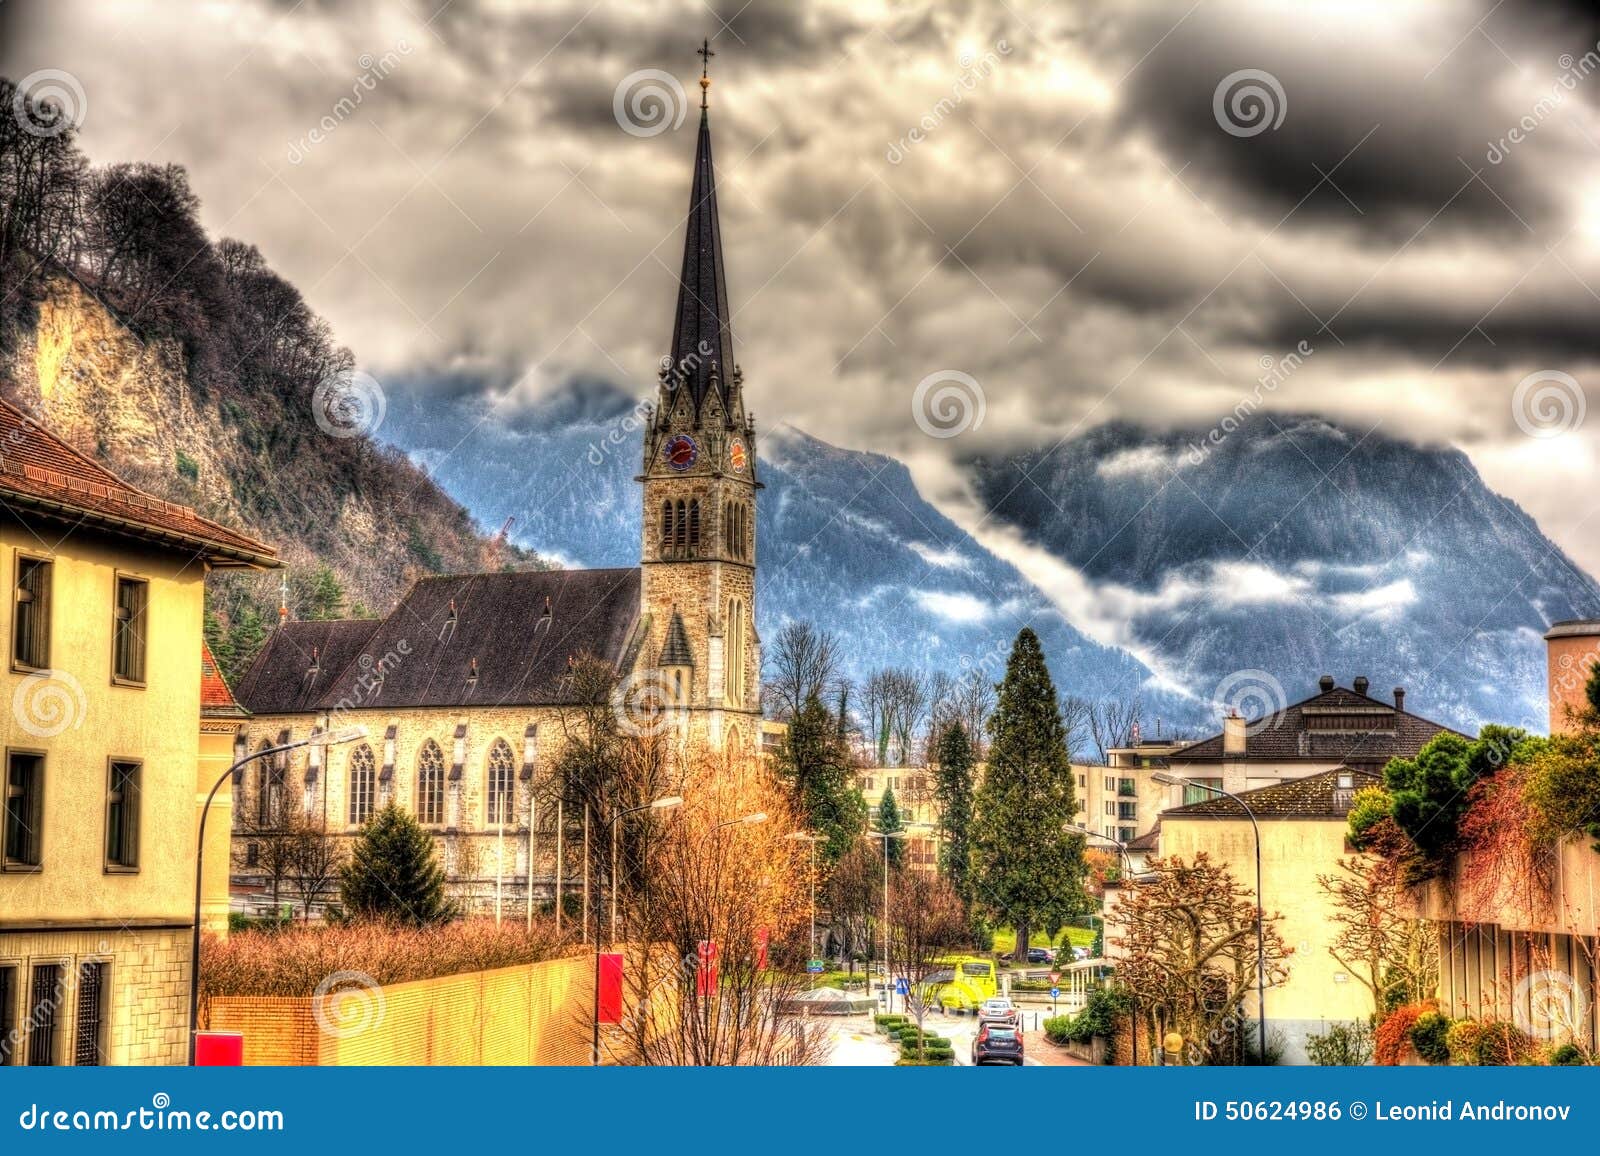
(394, 873)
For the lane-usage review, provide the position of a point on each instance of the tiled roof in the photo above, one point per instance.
(300, 662)
(42, 476)
(1149, 841)
(464, 640)
(216, 700)
(675, 649)
(1336, 725)
(1316, 796)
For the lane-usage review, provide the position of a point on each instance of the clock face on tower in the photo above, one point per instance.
(680, 452)
(738, 456)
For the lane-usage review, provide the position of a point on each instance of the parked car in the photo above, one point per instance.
(997, 1011)
(1041, 955)
(997, 1044)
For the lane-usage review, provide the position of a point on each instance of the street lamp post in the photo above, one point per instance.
(1127, 873)
(240, 760)
(1261, 948)
(888, 995)
(812, 839)
(666, 803)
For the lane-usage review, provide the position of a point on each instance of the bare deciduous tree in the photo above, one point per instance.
(1377, 941)
(803, 663)
(1188, 942)
(927, 922)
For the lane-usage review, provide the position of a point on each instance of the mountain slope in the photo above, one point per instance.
(844, 538)
(1295, 547)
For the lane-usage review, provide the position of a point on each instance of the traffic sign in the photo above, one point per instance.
(1055, 978)
(902, 986)
(815, 967)
(1055, 993)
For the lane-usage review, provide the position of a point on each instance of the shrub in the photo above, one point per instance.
(1568, 1056)
(1429, 1037)
(1368, 807)
(1343, 1045)
(1056, 1029)
(1501, 1045)
(294, 961)
(1462, 1041)
(1393, 1037)
(888, 1021)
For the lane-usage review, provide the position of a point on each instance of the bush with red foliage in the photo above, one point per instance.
(1391, 1044)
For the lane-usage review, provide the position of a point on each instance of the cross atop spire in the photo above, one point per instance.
(705, 54)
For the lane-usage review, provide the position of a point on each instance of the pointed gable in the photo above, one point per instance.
(702, 336)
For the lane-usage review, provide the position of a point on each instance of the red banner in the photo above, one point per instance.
(762, 937)
(609, 1010)
(705, 976)
(218, 1049)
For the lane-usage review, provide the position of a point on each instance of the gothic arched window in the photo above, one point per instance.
(502, 784)
(666, 524)
(430, 784)
(681, 534)
(362, 783)
(749, 534)
(736, 652)
(269, 780)
(694, 523)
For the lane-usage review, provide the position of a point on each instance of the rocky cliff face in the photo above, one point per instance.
(345, 506)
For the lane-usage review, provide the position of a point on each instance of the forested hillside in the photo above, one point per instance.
(192, 369)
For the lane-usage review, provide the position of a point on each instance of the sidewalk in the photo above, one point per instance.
(1042, 1052)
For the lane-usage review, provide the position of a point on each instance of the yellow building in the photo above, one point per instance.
(222, 743)
(1303, 823)
(919, 812)
(97, 836)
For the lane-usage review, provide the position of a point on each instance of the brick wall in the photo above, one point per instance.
(537, 1014)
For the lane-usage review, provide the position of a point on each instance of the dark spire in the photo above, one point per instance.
(702, 340)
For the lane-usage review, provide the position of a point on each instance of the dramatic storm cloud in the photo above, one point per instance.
(1092, 211)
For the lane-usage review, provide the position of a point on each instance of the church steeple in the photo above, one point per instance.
(700, 485)
(702, 337)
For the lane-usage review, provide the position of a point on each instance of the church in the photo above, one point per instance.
(463, 688)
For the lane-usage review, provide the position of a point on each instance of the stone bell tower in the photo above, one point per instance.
(698, 553)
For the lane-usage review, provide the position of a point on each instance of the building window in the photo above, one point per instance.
(89, 1041)
(20, 837)
(252, 854)
(1127, 811)
(694, 523)
(10, 1049)
(502, 784)
(122, 817)
(133, 603)
(1111, 782)
(736, 652)
(430, 784)
(1196, 792)
(363, 778)
(666, 524)
(1127, 835)
(43, 1023)
(680, 535)
(1126, 787)
(30, 630)
(269, 787)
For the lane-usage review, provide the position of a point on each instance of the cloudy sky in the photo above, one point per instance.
(1093, 211)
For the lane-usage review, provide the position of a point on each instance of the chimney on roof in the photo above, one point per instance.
(1326, 683)
(1360, 684)
(1233, 734)
(1399, 698)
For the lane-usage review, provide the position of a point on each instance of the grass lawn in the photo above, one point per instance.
(1005, 938)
